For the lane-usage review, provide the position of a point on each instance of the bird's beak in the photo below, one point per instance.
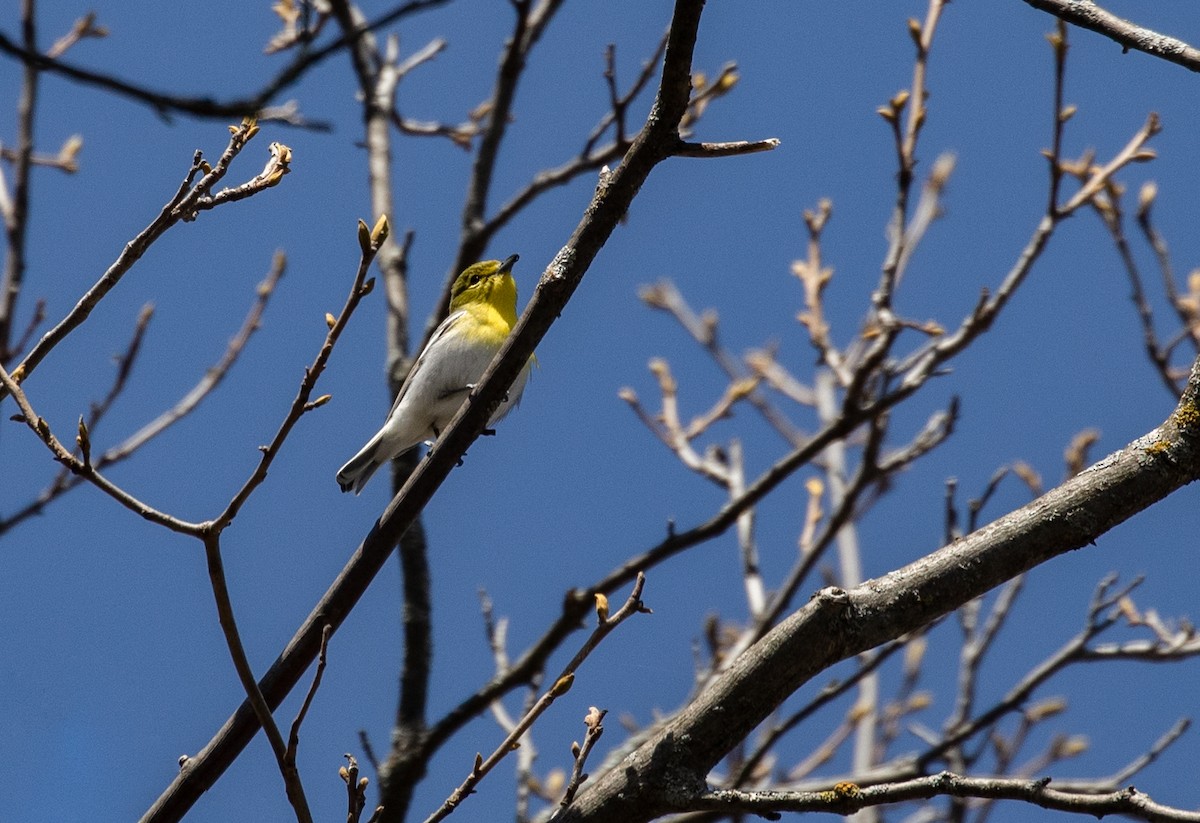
(507, 265)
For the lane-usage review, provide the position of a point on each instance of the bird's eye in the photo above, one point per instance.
(474, 281)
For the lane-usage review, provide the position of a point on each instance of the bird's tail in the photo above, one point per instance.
(355, 474)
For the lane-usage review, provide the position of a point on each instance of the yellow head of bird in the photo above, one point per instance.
(489, 281)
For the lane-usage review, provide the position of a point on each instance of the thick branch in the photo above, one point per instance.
(668, 771)
(610, 203)
(846, 798)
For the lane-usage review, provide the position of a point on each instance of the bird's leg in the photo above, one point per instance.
(486, 431)
(472, 386)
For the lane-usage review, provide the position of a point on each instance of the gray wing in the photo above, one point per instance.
(438, 334)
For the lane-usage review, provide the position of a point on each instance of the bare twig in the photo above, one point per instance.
(210, 532)
(287, 766)
(494, 117)
(1187, 309)
(814, 544)
(369, 242)
(906, 114)
(528, 25)
(917, 367)
(166, 103)
(703, 328)
(595, 727)
(38, 317)
(83, 28)
(867, 664)
(125, 361)
(65, 480)
(752, 580)
(1112, 216)
(83, 467)
(293, 742)
(16, 209)
(1122, 776)
(633, 605)
(183, 205)
(814, 276)
(356, 792)
(590, 157)
(1073, 651)
(732, 149)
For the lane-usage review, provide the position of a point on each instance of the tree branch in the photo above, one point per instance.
(668, 771)
(185, 203)
(1130, 35)
(609, 204)
(847, 798)
(17, 214)
(165, 102)
(65, 480)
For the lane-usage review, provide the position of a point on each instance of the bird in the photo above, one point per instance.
(483, 311)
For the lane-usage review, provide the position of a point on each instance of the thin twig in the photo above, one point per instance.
(293, 742)
(212, 377)
(179, 207)
(165, 102)
(84, 467)
(595, 727)
(917, 367)
(356, 792)
(633, 605)
(703, 328)
(241, 663)
(1071, 652)
(16, 212)
(867, 664)
(732, 149)
(1112, 216)
(1187, 314)
(370, 242)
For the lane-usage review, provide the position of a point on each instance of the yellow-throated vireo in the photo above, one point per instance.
(483, 310)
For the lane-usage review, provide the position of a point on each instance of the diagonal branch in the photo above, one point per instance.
(611, 201)
(181, 206)
(668, 771)
(1130, 35)
(846, 798)
(65, 481)
(633, 605)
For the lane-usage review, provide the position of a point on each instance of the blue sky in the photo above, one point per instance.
(113, 661)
